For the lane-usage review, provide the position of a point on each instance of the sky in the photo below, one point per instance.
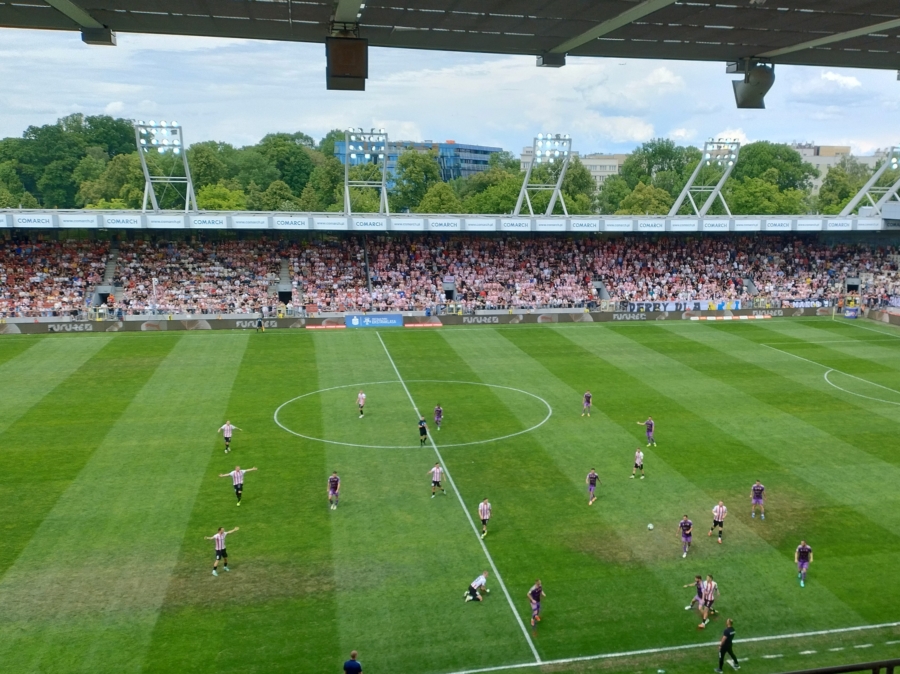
(237, 91)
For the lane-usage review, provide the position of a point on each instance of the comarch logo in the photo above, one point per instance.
(111, 220)
(443, 224)
(33, 220)
(203, 222)
(290, 222)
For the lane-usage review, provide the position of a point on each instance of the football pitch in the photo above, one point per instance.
(110, 463)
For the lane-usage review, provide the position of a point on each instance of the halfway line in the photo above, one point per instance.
(537, 658)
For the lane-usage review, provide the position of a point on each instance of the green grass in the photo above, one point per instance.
(110, 463)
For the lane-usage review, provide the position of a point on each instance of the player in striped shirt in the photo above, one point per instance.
(638, 463)
(686, 527)
(334, 490)
(649, 425)
(237, 479)
(437, 473)
(221, 553)
(698, 597)
(758, 498)
(479, 583)
(361, 403)
(227, 430)
(438, 415)
(803, 557)
(710, 592)
(586, 404)
(534, 596)
(484, 513)
(719, 512)
(592, 480)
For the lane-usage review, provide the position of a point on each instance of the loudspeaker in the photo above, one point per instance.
(750, 92)
(347, 63)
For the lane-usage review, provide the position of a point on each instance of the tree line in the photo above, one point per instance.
(92, 162)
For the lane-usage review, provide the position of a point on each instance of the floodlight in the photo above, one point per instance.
(540, 135)
(352, 156)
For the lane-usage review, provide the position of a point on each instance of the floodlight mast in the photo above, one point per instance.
(549, 149)
(362, 147)
(722, 152)
(885, 194)
(163, 137)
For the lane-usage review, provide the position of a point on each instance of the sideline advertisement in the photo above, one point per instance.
(165, 222)
(338, 224)
(584, 225)
(444, 225)
(716, 225)
(77, 220)
(249, 222)
(370, 224)
(208, 221)
(32, 220)
(684, 225)
(407, 224)
(373, 320)
(289, 222)
(517, 224)
(554, 225)
(618, 225)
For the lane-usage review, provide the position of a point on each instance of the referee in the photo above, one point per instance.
(725, 647)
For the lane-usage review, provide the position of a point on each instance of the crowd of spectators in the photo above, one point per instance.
(405, 273)
(49, 278)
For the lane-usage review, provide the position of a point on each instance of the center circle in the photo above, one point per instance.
(402, 384)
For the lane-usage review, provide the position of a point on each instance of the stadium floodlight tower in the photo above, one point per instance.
(871, 191)
(721, 153)
(366, 147)
(551, 149)
(163, 138)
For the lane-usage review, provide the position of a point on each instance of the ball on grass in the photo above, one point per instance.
(649, 527)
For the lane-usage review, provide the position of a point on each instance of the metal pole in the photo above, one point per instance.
(848, 209)
(346, 173)
(717, 191)
(525, 186)
(557, 190)
(687, 188)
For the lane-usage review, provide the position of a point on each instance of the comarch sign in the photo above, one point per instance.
(374, 321)
(290, 222)
(370, 224)
(32, 220)
(78, 220)
(516, 225)
(444, 224)
(209, 221)
(657, 225)
(584, 225)
(124, 221)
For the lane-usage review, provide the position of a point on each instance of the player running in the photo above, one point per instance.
(221, 553)
(638, 463)
(227, 431)
(649, 425)
(484, 513)
(719, 513)
(237, 479)
(586, 406)
(436, 474)
(438, 416)
(710, 592)
(479, 583)
(592, 480)
(334, 490)
(698, 598)
(686, 527)
(803, 557)
(361, 403)
(534, 596)
(758, 498)
(423, 431)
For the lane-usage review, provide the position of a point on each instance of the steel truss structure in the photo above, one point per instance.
(361, 147)
(549, 150)
(872, 191)
(721, 153)
(163, 138)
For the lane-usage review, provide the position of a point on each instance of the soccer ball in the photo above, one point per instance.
(649, 527)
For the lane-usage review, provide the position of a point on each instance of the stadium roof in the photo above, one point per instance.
(858, 33)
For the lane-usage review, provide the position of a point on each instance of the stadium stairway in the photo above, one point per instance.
(283, 284)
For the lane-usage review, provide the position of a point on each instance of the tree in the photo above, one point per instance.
(326, 145)
(249, 165)
(288, 154)
(56, 186)
(207, 168)
(612, 191)
(499, 198)
(841, 184)
(324, 182)
(278, 197)
(761, 196)
(440, 198)
(122, 178)
(414, 175)
(505, 161)
(658, 156)
(756, 158)
(646, 200)
(220, 198)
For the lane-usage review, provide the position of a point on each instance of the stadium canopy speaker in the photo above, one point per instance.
(751, 91)
(347, 63)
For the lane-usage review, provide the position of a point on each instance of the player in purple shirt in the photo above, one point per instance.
(803, 557)
(592, 480)
(686, 527)
(534, 596)
(586, 406)
(438, 416)
(334, 490)
(698, 598)
(758, 498)
(649, 424)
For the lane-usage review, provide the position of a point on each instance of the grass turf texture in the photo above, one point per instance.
(110, 459)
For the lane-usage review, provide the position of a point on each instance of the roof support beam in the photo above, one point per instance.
(348, 11)
(610, 25)
(837, 37)
(92, 31)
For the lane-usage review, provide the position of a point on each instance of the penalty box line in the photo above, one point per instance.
(669, 649)
(487, 554)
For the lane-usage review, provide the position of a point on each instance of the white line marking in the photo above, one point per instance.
(832, 341)
(772, 657)
(880, 332)
(853, 393)
(863, 646)
(891, 643)
(433, 381)
(668, 649)
(835, 650)
(537, 658)
(807, 652)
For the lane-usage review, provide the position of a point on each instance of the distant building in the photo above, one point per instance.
(457, 160)
(823, 157)
(601, 166)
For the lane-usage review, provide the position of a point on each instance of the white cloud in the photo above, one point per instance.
(114, 108)
(733, 133)
(683, 134)
(843, 81)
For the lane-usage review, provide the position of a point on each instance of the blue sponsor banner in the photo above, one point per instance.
(374, 321)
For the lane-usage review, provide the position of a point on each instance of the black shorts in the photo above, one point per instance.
(227, 439)
(221, 554)
(639, 466)
(239, 487)
(484, 522)
(709, 604)
(435, 483)
(473, 592)
(361, 406)
(717, 523)
(423, 432)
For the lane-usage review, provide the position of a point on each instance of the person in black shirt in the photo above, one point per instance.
(352, 666)
(725, 647)
(423, 432)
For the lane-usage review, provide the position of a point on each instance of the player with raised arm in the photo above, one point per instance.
(649, 425)
(423, 431)
(334, 490)
(479, 583)
(438, 416)
(361, 403)
(237, 479)
(484, 514)
(221, 553)
(534, 596)
(437, 473)
(686, 527)
(710, 592)
(719, 513)
(586, 404)
(698, 597)
(227, 431)
(803, 557)
(638, 463)
(758, 498)
(592, 480)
